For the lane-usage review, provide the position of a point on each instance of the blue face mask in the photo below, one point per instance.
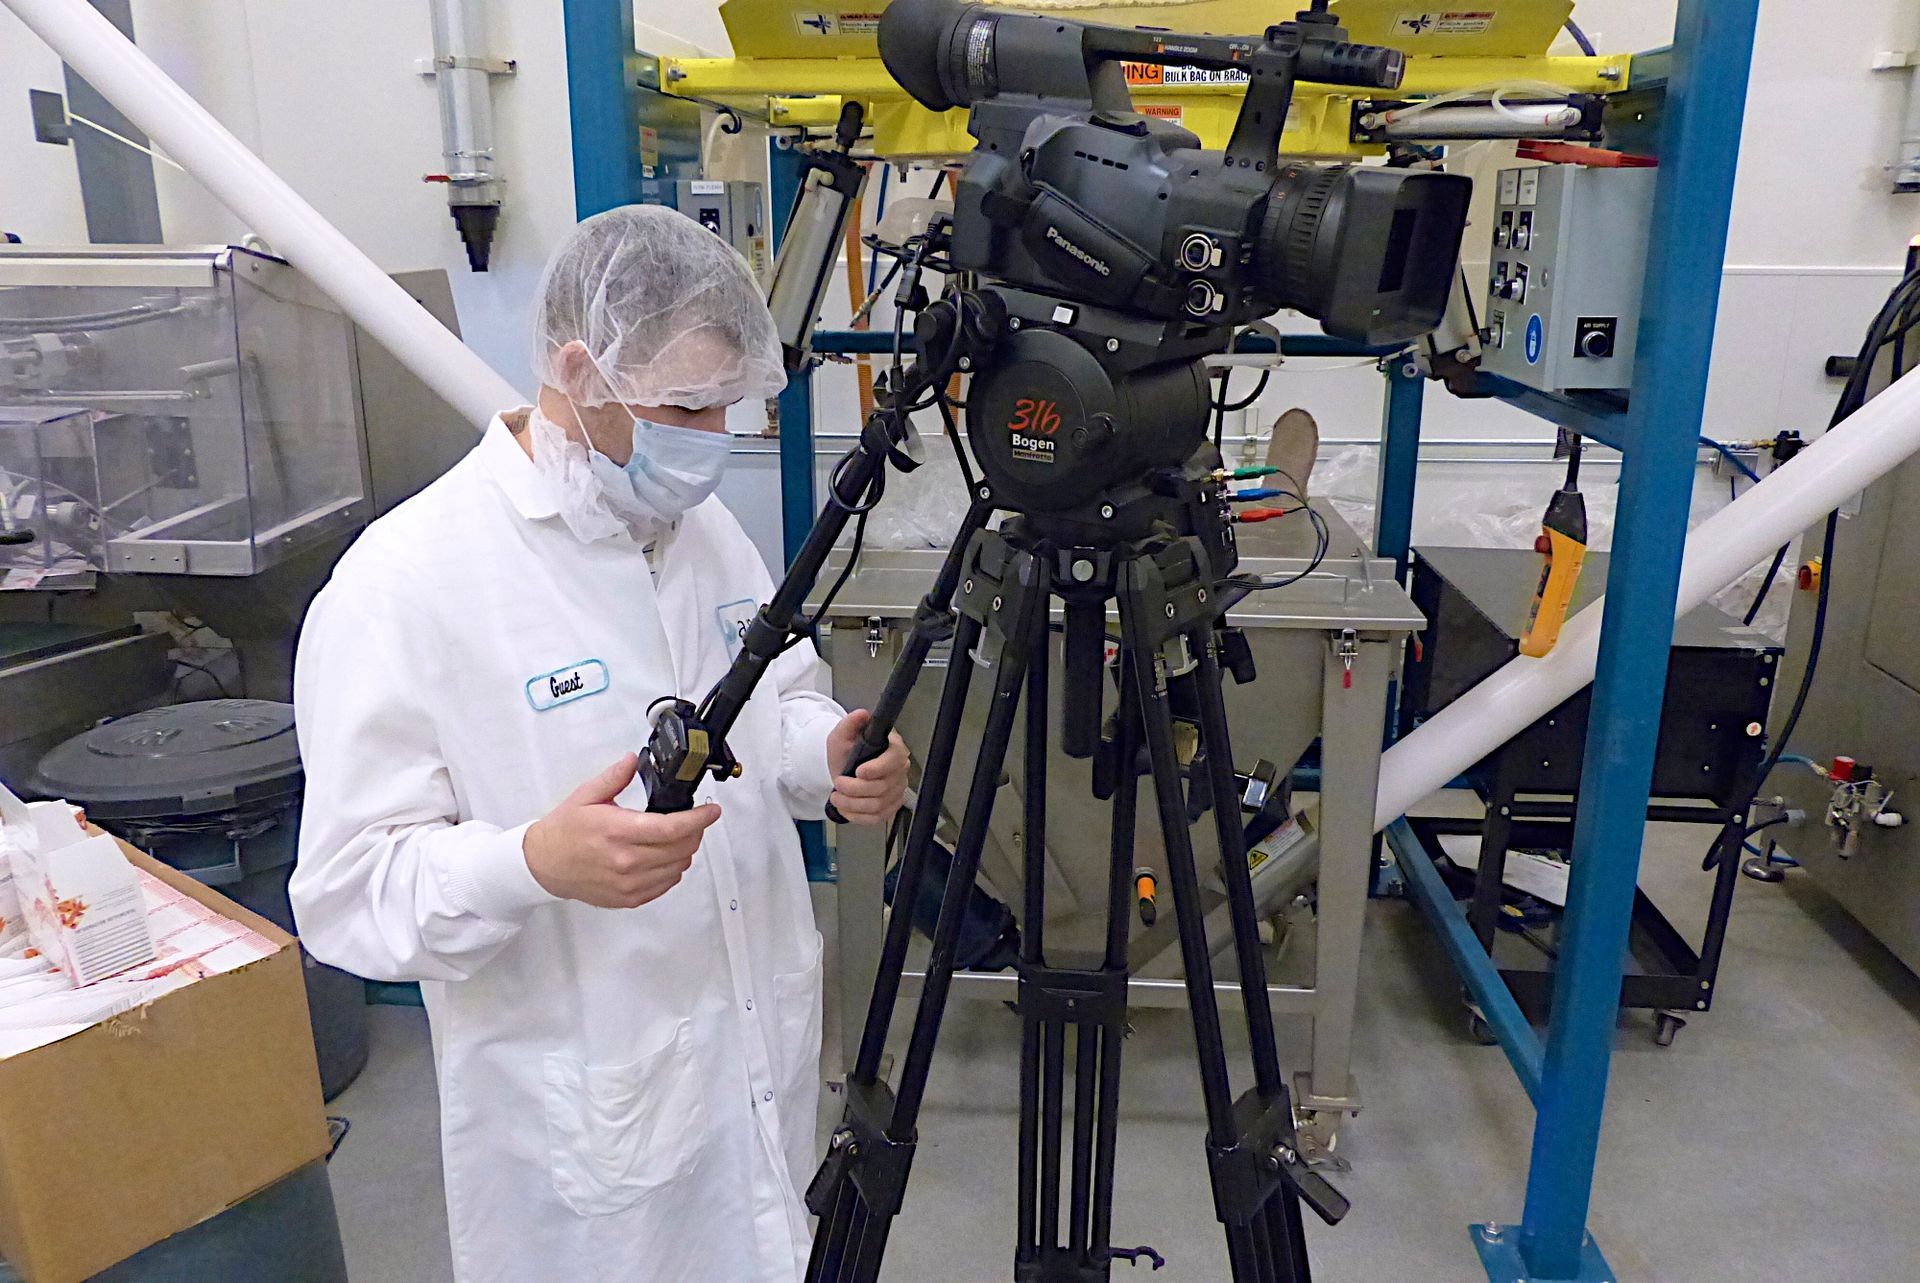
(673, 469)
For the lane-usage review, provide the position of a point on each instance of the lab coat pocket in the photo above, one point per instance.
(617, 1133)
(796, 997)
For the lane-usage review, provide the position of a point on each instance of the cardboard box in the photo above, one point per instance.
(151, 1122)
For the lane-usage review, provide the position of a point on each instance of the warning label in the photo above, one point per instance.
(1152, 73)
(837, 24)
(1446, 22)
(1165, 111)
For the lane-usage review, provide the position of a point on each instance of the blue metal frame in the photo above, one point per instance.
(1699, 145)
(600, 93)
(1399, 463)
(1705, 82)
(1593, 415)
(1482, 978)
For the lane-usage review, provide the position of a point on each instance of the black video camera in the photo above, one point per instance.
(1117, 251)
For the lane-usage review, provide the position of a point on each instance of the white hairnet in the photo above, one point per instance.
(670, 315)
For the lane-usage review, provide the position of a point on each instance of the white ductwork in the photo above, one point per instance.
(1850, 457)
(185, 130)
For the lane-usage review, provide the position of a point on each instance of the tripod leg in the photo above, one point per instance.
(842, 1220)
(1286, 1234)
(913, 861)
(1021, 605)
(1032, 952)
(1126, 800)
(872, 1151)
(1241, 1181)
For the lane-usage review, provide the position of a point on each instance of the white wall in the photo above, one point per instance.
(327, 94)
(39, 196)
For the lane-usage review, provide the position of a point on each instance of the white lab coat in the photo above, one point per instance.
(627, 1096)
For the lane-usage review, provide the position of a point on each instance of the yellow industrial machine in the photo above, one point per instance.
(797, 62)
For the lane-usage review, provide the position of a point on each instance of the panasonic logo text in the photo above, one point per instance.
(1098, 265)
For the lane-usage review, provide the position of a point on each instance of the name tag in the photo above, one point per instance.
(564, 685)
(733, 619)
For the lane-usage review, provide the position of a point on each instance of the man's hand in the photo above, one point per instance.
(591, 850)
(873, 793)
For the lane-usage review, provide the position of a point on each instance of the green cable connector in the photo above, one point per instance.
(1252, 474)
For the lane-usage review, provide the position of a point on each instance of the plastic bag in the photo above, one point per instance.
(922, 508)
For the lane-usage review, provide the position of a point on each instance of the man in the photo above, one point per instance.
(625, 1007)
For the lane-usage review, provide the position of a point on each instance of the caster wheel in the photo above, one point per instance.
(1480, 1031)
(1760, 871)
(1665, 1026)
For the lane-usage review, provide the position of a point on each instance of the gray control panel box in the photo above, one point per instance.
(1569, 252)
(731, 211)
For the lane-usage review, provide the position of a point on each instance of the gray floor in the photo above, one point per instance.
(1779, 1137)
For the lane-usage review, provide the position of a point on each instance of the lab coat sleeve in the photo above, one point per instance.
(389, 885)
(807, 716)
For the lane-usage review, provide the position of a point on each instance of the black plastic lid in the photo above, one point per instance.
(184, 759)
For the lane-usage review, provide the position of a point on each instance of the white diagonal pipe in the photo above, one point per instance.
(168, 115)
(1848, 458)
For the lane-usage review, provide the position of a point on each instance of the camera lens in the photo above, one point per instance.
(1368, 251)
(1300, 226)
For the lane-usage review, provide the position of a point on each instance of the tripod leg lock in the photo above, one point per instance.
(861, 1151)
(1248, 1172)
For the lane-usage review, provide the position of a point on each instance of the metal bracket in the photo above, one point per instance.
(1246, 1173)
(50, 123)
(1061, 996)
(492, 66)
(861, 1151)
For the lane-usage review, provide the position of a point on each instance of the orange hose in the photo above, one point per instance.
(857, 291)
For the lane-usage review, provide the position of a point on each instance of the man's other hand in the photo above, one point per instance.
(873, 793)
(592, 850)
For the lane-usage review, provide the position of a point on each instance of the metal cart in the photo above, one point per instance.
(1719, 683)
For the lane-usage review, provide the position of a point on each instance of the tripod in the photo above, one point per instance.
(1000, 585)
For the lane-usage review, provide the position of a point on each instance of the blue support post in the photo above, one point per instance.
(1399, 462)
(606, 159)
(1700, 134)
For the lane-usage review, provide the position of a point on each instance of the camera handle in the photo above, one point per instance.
(688, 741)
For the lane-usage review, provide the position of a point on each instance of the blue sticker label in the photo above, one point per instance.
(564, 685)
(733, 619)
(1536, 340)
